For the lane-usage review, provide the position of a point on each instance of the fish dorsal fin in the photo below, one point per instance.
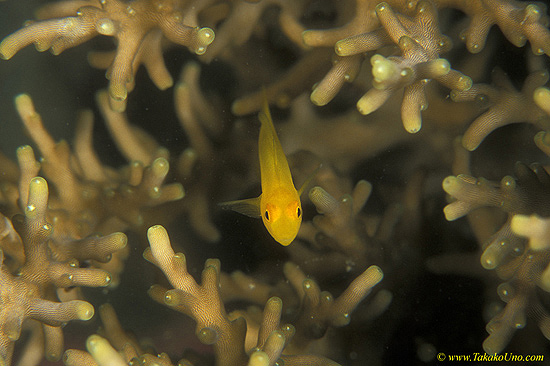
(249, 207)
(273, 163)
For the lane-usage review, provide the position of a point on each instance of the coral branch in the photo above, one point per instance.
(134, 25)
(506, 106)
(201, 302)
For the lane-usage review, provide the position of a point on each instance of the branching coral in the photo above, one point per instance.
(420, 42)
(81, 182)
(138, 28)
(337, 229)
(198, 163)
(201, 302)
(522, 267)
(114, 346)
(505, 106)
(519, 21)
(350, 73)
(239, 24)
(227, 333)
(42, 273)
(55, 243)
(413, 27)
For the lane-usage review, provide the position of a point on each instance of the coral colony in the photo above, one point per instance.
(415, 111)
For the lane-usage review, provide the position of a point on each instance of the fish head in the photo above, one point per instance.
(283, 219)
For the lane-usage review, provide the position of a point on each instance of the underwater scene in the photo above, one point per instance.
(274, 182)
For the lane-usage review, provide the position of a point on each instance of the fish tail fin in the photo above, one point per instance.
(265, 114)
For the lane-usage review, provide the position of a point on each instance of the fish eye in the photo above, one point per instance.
(298, 211)
(266, 214)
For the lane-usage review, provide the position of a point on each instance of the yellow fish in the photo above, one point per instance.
(279, 204)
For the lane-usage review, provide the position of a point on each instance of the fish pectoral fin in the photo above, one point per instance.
(308, 180)
(249, 207)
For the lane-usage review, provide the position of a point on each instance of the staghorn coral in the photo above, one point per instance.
(138, 28)
(114, 346)
(54, 243)
(30, 291)
(519, 21)
(81, 181)
(420, 43)
(113, 180)
(227, 333)
(504, 251)
(505, 106)
(522, 265)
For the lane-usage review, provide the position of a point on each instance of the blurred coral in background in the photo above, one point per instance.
(425, 231)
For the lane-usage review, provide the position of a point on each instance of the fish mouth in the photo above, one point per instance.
(286, 241)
